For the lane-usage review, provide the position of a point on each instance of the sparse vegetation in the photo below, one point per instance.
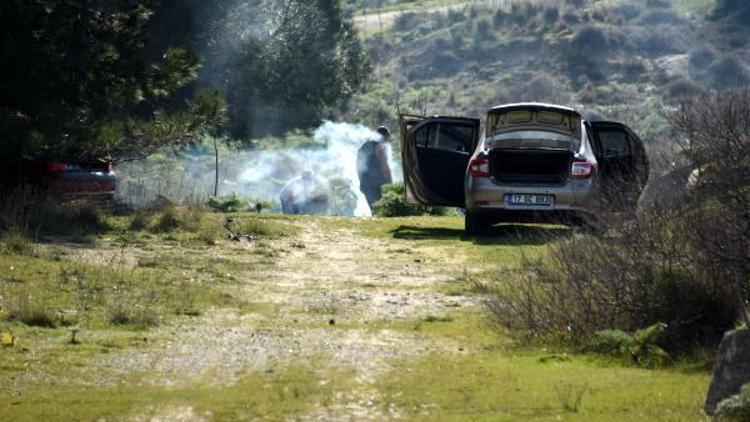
(227, 203)
(16, 242)
(392, 204)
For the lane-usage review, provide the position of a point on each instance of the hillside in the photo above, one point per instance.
(611, 59)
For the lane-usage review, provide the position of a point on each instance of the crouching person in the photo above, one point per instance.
(301, 196)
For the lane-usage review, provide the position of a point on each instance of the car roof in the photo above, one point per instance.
(531, 106)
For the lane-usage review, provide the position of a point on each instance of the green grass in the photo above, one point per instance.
(275, 394)
(494, 386)
(75, 292)
(442, 240)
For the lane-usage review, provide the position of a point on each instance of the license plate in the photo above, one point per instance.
(526, 199)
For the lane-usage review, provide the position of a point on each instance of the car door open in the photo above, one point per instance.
(622, 162)
(435, 153)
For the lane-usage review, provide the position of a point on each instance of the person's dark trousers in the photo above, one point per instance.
(372, 193)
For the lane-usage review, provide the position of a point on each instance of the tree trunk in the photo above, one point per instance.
(216, 175)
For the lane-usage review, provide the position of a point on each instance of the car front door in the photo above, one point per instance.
(623, 165)
(435, 153)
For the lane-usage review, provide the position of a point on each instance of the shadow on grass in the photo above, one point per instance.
(503, 234)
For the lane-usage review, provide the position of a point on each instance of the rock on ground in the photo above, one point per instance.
(732, 368)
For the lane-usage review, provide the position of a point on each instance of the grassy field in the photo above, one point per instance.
(160, 315)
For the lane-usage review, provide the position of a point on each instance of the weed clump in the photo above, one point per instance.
(252, 227)
(124, 311)
(139, 221)
(31, 313)
(570, 396)
(173, 218)
(15, 242)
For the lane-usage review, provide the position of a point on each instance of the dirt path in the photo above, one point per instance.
(327, 303)
(384, 21)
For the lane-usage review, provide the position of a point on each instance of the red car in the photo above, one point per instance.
(76, 181)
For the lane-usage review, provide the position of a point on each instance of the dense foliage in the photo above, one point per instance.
(76, 82)
(282, 63)
(92, 79)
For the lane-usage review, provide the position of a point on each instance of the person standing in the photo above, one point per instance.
(372, 166)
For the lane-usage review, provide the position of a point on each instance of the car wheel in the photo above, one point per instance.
(473, 224)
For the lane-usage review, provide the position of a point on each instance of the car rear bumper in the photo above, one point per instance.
(484, 195)
(493, 216)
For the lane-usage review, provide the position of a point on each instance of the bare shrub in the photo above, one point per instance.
(717, 140)
(636, 277)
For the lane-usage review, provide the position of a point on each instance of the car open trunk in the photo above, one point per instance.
(530, 166)
(532, 144)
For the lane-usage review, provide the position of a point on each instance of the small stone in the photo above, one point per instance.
(331, 321)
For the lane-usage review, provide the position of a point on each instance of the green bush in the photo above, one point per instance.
(612, 342)
(392, 204)
(227, 203)
(642, 346)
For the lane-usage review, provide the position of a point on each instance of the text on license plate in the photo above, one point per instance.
(526, 199)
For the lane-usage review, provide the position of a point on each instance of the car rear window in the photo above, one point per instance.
(566, 122)
(449, 137)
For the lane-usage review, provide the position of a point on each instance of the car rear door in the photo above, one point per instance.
(623, 165)
(435, 153)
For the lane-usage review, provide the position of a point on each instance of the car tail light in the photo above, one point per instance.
(479, 167)
(56, 168)
(582, 170)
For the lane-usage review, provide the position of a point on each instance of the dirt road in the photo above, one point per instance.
(316, 303)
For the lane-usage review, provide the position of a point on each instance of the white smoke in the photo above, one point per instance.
(260, 175)
(334, 164)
